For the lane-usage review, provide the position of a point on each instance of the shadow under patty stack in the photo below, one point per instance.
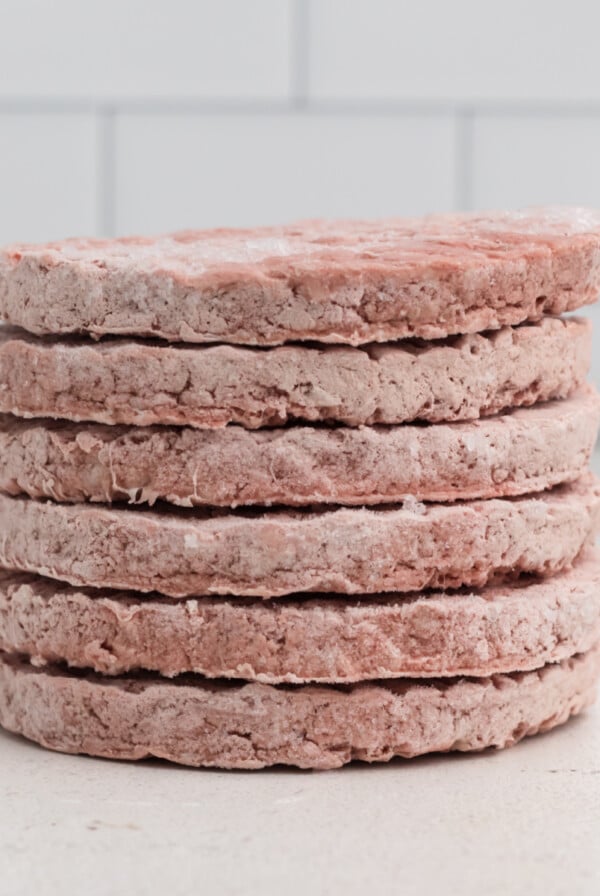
(300, 495)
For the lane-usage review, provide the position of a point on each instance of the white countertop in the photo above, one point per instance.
(522, 821)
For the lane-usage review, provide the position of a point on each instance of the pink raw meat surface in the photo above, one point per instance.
(231, 725)
(521, 451)
(347, 551)
(518, 626)
(124, 381)
(350, 282)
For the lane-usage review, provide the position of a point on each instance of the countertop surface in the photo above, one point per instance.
(522, 821)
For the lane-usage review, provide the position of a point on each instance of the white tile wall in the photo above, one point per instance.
(148, 115)
(200, 170)
(527, 160)
(48, 175)
(118, 49)
(462, 50)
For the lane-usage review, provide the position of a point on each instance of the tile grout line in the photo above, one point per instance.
(463, 164)
(300, 54)
(300, 99)
(106, 171)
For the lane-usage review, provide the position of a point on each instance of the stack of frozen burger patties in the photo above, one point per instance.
(299, 495)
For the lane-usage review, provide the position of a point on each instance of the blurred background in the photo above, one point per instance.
(147, 115)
